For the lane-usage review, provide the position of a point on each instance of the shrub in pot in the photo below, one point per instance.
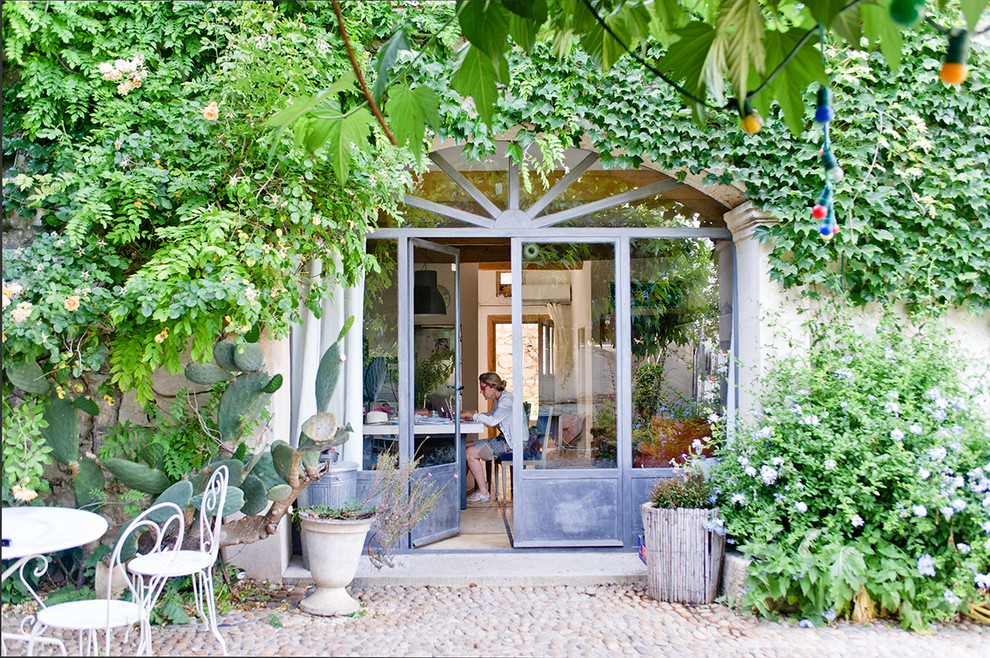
(684, 536)
(336, 536)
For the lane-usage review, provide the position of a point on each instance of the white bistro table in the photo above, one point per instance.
(433, 425)
(32, 533)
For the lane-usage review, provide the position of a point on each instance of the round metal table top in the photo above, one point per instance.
(39, 530)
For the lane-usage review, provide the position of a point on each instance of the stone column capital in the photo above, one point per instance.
(744, 218)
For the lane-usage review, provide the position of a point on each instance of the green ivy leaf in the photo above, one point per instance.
(475, 76)
(485, 25)
(385, 60)
(351, 129)
(410, 111)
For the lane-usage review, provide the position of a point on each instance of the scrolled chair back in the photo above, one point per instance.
(211, 511)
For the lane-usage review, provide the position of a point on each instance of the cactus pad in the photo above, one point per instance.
(273, 385)
(137, 476)
(248, 357)
(223, 355)
(235, 468)
(264, 469)
(206, 374)
(241, 403)
(321, 427)
(62, 433)
(87, 405)
(326, 376)
(255, 495)
(88, 478)
(28, 377)
(311, 458)
(283, 455)
(279, 492)
(179, 493)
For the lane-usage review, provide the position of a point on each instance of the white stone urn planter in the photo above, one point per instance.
(335, 547)
(683, 559)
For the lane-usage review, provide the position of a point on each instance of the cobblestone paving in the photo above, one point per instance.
(536, 621)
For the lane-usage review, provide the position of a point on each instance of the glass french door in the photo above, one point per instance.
(567, 489)
(430, 379)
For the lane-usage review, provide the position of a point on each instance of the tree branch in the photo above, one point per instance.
(357, 71)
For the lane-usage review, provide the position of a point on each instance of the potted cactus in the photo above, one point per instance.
(264, 480)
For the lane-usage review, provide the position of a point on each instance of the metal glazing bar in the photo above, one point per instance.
(561, 185)
(466, 185)
(604, 204)
(513, 185)
(447, 211)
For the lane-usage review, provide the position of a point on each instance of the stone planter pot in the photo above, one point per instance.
(683, 560)
(334, 550)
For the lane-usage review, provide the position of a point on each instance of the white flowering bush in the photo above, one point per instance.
(862, 487)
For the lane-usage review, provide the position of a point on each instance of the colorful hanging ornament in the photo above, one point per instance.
(954, 66)
(829, 227)
(906, 12)
(821, 207)
(832, 169)
(752, 122)
(824, 112)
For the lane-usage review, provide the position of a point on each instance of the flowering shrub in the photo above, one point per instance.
(25, 454)
(864, 481)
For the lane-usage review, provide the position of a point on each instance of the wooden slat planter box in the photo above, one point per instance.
(683, 560)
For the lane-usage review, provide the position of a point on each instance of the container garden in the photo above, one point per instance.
(683, 553)
(335, 547)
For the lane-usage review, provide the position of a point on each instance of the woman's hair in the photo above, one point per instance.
(492, 379)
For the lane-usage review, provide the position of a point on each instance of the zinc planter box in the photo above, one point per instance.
(683, 559)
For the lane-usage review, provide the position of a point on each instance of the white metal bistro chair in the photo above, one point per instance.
(166, 524)
(198, 564)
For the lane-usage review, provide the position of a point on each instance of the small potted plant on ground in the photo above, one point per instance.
(336, 536)
(684, 536)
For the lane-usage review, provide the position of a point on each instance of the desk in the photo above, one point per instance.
(431, 425)
(428, 426)
(35, 531)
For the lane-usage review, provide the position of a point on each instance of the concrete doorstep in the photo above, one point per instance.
(518, 568)
(515, 569)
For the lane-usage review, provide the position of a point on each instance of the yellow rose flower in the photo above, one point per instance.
(72, 303)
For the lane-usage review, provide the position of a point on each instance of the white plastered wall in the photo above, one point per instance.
(769, 319)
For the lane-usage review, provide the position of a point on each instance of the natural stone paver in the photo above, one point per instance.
(535, 621)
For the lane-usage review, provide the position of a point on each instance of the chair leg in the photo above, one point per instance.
(207, 576)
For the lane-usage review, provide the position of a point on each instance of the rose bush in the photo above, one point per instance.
(862, 486)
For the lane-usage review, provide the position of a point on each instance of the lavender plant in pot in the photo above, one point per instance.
(335, 536)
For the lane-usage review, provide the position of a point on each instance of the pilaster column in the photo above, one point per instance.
(755, 294)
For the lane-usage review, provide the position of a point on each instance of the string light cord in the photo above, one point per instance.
(732, 105)
(947, 30)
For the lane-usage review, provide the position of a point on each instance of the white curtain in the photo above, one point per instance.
(308, 342)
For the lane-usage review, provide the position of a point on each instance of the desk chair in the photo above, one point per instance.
(197, 563)
(166, 524)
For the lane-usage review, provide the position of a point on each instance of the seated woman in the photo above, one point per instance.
(492, 388)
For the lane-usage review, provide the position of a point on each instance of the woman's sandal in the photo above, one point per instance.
(478, 498)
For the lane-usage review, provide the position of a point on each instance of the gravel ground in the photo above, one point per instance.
(531, 621)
